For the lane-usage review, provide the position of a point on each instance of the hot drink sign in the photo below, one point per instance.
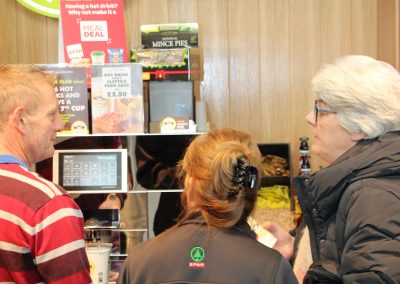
(93, 31)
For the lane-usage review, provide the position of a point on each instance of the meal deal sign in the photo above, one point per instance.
(93, 31)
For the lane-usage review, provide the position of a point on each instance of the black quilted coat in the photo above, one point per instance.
(352, 210)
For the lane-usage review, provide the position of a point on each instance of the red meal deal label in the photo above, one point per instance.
(93, 31)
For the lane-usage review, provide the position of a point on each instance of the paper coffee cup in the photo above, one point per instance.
(98, 256)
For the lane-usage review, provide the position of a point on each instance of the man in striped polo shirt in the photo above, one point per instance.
(41, 227)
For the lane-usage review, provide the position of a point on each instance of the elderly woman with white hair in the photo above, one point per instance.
(351, 207)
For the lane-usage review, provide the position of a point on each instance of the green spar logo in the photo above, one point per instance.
(197, 254)
(49, 8)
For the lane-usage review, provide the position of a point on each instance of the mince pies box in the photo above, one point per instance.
(275, 164)
(181, 64)
(117, 98)
(171, 35)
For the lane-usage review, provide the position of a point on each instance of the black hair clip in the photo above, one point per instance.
(244, 175)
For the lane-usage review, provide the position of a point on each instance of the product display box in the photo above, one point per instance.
(275, 164)
(170, 99)
(170, 35)
(117, 98)
(71, 89)
(275, 191)
(181, 64)
(171, 106)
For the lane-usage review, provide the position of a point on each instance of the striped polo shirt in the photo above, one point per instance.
(41, 229)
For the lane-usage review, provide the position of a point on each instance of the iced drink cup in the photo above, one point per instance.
(98, 57)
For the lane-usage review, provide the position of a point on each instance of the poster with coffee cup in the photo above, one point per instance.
(92, 32)
(71, 90)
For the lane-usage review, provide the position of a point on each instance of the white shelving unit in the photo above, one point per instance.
(151, 196)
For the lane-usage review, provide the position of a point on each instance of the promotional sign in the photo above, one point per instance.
(93, 31)
(70, 88)
(117, 98)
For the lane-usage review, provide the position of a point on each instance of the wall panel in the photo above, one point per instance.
(364, 12)
(335, 23)
(8, 32)
(259, 55)
(388, 31)
(274, 64)
(214, 42)
(182, 11)
(244, 80)
(32, 44)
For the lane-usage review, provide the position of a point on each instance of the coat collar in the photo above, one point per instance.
(367, 159)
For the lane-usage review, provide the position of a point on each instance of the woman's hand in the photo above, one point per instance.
(285, 241)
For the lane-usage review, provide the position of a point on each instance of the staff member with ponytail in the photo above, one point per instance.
(212, 242)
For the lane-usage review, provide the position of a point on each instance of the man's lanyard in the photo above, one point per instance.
(8, 159)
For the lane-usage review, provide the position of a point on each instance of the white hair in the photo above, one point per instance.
(363, 91)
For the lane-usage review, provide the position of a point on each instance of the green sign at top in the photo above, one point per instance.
(49, 8)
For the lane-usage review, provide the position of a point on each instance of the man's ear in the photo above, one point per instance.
(18, 117)
(357, 136)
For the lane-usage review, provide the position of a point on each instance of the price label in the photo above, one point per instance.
(117, 94)
(117, 82)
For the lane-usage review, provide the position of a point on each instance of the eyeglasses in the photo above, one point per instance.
(317, 110)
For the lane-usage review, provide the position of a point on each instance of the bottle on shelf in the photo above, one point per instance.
(305, 165)
(304, 162)
(304, 168)
(303, 146)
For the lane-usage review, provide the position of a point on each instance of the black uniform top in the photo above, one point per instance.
(192, 253)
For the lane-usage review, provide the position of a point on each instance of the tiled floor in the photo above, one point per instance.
(283, 217)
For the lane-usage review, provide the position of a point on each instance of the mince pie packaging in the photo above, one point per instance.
(183, 64)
